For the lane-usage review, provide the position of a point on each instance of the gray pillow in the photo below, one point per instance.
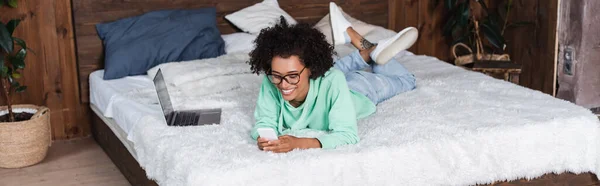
(135, 44)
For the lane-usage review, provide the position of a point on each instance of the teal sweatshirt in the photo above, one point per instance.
(329, 106)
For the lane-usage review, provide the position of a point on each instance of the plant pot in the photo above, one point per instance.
(24, 143)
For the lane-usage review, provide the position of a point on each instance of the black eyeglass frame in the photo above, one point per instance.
(282, 78)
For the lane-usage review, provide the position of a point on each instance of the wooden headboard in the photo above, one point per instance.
(87, 13)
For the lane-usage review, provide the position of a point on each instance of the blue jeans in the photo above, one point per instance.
(384, 82)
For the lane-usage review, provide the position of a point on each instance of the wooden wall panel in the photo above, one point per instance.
(56, 80)
(428, 19)
(51, 73)
(88, 13)
(535, 46)
(531, 46)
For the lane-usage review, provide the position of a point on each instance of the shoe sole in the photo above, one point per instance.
(334, 27)
(402, 41)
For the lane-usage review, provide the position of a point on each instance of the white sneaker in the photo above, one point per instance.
(339, 24)
(387, 48)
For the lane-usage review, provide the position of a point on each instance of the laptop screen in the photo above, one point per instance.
(163, 93)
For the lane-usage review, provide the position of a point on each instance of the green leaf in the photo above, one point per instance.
(495, 21)
(449, 26)
(450, 4)
(4, 71)
(6, 41)
(21, 43)
(493, 36)
(12, 81)
(21, 89)
(21, 54)
(463, 38)
(454, 19)
(16, 75)
(18, 61)
(463, 14)
(466, 8)
(2, 65)
(3, 68)
(483, 5)
(12, 3)
(12, 25)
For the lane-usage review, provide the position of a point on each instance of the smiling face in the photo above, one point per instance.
(292, 70)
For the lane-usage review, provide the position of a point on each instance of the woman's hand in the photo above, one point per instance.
(262, 143)
(288, 143)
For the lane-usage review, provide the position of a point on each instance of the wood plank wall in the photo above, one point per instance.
(535, 46)
(50, 73)
(88, 13)
(428, 20)
(531, 46)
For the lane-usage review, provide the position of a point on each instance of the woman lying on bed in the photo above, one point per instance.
(302, 90)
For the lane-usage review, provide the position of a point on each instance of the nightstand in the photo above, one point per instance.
(506, 70)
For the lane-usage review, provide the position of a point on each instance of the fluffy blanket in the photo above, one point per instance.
(457, 128)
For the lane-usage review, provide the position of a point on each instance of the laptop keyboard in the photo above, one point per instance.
(186, 119)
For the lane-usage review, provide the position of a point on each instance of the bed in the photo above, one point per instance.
(489, 138)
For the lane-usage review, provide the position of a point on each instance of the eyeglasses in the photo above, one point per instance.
(292, 79)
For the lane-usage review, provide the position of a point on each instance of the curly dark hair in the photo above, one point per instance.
(286, 40)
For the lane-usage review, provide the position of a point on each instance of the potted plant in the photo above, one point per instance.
(24, 129)
(468, 21)
(11, 3)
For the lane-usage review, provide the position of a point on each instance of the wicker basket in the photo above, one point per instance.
(25, 143)
(479, 56)
(470, 58)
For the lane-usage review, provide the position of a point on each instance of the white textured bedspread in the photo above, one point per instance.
(457, 128)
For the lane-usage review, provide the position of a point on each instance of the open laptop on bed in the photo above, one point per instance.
(182, 118)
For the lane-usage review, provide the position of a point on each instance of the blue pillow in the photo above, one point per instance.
(134, 45)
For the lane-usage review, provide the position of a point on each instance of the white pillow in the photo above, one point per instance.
(239, 42)
(361, 27)
(261, 15)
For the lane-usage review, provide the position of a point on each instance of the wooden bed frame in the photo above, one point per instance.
(87, 13)
(118, 153)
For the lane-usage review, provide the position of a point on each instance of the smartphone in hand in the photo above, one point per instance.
(267, 133)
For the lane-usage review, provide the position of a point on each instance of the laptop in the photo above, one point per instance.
(182, 118)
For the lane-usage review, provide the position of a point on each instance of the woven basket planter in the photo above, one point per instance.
(471, 58)
(25, 143)
(479, 54)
